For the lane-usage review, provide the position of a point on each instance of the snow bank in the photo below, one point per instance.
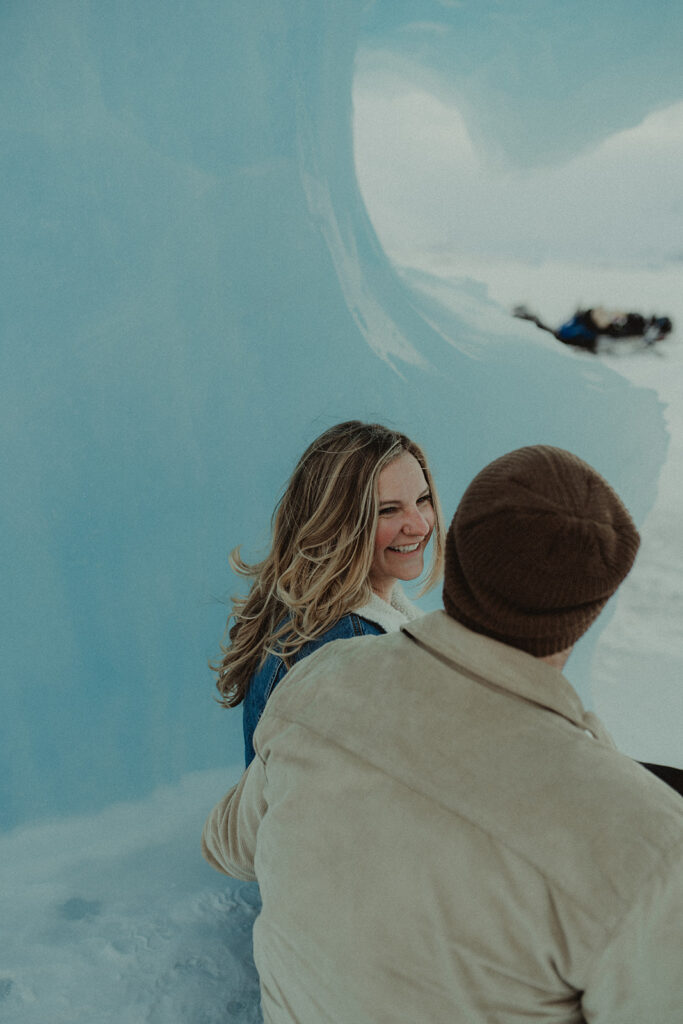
(116, 919)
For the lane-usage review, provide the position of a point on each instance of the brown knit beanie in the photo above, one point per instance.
(538, 544)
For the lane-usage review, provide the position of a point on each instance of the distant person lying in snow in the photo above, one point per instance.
(440, 830)
(355, 518)
(587, 326)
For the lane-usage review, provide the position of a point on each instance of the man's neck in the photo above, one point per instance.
(558, 660)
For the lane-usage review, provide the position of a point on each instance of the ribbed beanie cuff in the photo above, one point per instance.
(539, 543)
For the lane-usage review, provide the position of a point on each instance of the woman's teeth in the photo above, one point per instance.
(405, 548)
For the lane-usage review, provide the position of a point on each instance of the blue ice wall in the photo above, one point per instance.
(191, 290)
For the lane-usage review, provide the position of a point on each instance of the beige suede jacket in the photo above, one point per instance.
(441, 833)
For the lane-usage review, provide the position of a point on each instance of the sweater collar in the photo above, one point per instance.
(389, 615)
(494, 664)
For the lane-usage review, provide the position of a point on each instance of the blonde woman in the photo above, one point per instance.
(355, 518)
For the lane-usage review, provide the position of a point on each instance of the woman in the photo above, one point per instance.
(356, 517)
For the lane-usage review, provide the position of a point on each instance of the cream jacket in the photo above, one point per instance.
(442, 835)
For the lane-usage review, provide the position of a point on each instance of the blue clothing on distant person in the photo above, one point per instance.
(374, 618)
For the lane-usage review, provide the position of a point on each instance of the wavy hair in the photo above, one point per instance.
(323, 531)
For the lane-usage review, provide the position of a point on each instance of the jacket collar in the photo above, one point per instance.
(496, 665)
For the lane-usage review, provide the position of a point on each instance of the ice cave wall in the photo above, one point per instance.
(191, 291)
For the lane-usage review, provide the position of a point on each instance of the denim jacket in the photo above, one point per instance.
(273, 669)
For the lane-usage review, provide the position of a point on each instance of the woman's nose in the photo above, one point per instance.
(416, 523)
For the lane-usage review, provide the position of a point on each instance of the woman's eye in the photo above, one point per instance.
(389, 510)
(424, 498)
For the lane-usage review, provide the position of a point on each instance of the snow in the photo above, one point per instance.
(116, 919)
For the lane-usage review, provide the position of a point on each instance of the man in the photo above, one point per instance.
(440, 831)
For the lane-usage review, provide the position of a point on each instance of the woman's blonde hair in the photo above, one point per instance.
(323, 531)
